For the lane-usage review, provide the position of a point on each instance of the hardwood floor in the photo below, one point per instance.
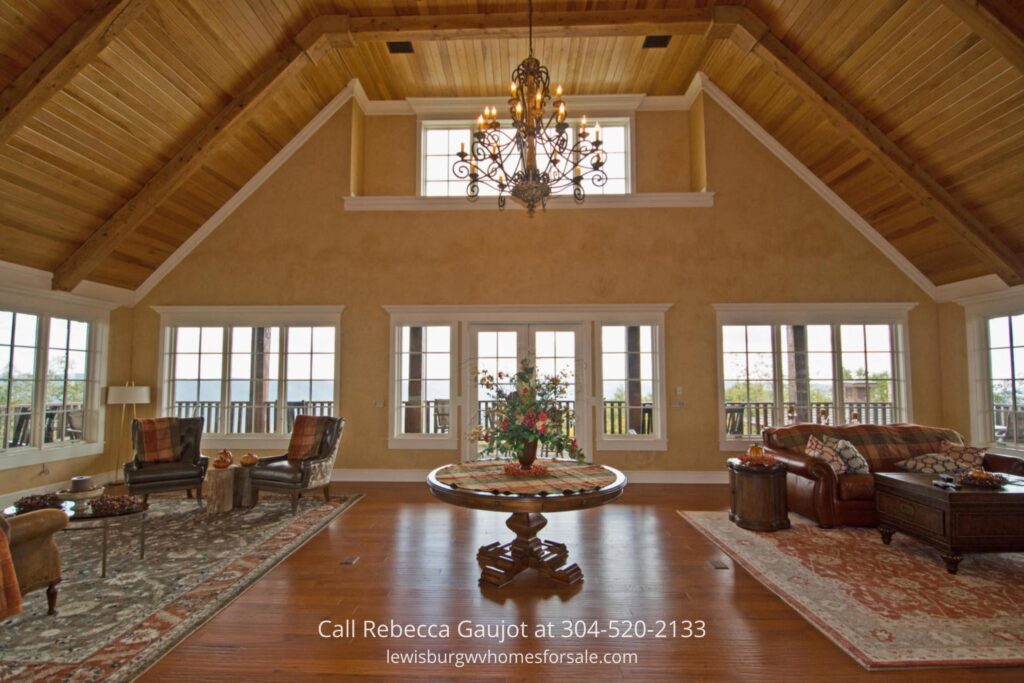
(416, 565)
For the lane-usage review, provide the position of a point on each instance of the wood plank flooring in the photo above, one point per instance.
(416, 565)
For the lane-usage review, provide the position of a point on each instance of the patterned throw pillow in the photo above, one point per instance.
(306, 435)
(817, 449)
(965, 455)
(851, 457)
(158, 439)
(931, 463)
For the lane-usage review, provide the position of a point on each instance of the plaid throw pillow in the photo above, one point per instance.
(158, 439)
(818, 449)
(965, 455)
(306, 436)
(848, 453)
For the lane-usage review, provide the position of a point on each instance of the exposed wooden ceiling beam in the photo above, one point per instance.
(347, 31)
(980, 19)
(753, 36)
(68, 55)
(175, 172)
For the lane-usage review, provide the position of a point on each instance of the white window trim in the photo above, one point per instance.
(46, 305)
(425, 442)
(244, 316)
(977, 311)
(894, 314)
(628, 119)
(589, 316)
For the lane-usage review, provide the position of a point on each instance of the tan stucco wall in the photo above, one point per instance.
(952, 337)
(769, 238)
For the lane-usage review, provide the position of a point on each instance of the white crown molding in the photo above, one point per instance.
(965, 289)
(353, 89)
(645, 200)
(812, 313)
(250, 315)
(459, 312)
(37, 284)
(815, 183)
(632, 476)
(470, 107)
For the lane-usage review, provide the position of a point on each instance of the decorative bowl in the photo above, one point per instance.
(78, 496)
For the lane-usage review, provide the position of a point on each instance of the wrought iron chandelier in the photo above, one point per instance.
(533, 158)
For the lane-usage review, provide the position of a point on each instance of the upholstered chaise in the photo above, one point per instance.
(308, 463)
(814, 490)
(172, 464)
(34, 551)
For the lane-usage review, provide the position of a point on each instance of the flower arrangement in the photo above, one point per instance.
(528, 411)
(981, 479)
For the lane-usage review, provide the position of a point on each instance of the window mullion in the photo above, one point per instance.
(39, 395)
(777, 384)
(839, 382)
(281, 420)
(225, 383)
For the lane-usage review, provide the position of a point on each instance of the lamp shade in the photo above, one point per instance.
(127, 395)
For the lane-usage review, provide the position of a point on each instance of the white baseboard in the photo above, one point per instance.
(9, 498)
(634, 477)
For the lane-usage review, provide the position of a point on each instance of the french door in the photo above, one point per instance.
(554, 348)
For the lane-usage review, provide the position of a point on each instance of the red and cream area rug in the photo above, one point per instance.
(112, 629)
(886, 606)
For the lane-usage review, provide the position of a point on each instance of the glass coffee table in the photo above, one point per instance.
(80, 516)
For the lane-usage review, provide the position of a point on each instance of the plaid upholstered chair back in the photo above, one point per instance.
(186, 438)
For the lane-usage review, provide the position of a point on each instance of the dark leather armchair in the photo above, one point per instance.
(186, 472)
(34, 551)
(278, 473)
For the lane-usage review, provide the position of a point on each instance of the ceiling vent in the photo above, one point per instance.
(656, 41)
(400, 47)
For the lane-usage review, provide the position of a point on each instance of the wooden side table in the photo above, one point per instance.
(219, 489)
(246, 495)
(758, 496)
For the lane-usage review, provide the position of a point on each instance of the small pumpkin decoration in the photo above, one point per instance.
(249, 459)
(223, 460)
(757, 456)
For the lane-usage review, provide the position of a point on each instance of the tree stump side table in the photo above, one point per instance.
(219, 489)
(758, 497)
(246, 495)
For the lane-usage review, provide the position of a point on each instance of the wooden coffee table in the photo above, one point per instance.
(970, 520)
(500, 563)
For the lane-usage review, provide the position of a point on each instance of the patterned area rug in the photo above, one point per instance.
(886, 606)
(115, 628)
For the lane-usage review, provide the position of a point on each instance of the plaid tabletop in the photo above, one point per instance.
(562, 477)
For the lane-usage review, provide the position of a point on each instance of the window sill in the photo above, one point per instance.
(421, 443)
(632, 444)
(242, 441)
(1002, 449)
(737, 445)
(27, 456)
(642, 200)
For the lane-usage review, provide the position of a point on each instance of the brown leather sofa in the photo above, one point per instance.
(278, 473)
(34, 551)
(815, 491)
(185, 473)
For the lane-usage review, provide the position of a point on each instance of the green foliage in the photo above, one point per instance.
(529, 410)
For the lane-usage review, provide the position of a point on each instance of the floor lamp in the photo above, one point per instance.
(128, 395)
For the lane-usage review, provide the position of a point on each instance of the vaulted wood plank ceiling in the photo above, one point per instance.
(947, 96)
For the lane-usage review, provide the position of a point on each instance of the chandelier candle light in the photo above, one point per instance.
(532, 159)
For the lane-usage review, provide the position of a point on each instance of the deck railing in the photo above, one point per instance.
(748, 419)
(61, 422)
(243, 417)
(433, 417)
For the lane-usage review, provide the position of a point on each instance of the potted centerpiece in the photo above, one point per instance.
(527, 411)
